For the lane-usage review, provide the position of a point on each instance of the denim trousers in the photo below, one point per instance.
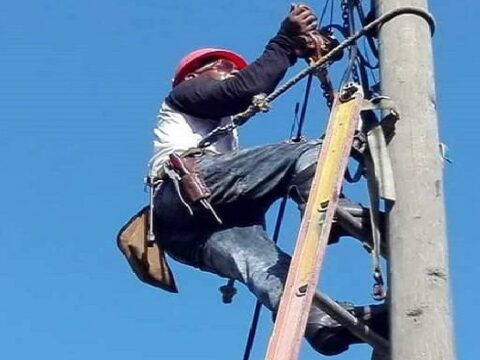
(244, 183)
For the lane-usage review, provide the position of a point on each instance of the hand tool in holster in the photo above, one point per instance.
(154, 184)
(192, 186)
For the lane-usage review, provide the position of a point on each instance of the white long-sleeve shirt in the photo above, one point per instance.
(177, 132)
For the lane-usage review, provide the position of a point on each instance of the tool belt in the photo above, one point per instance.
(137, 240)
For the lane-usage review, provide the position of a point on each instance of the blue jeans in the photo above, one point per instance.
(244, 184)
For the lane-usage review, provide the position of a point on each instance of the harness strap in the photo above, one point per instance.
(382, 165)
(379, 292)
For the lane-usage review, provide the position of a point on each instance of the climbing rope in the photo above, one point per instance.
(303, 112)
(324, 11)
(261, 103)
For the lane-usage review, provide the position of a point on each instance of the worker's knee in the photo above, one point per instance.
(267, 282)
(309, 157)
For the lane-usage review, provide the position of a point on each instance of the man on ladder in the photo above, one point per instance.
(209, 205)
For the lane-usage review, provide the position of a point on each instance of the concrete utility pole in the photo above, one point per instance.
(421, 324)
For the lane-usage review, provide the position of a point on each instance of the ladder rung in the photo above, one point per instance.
(352, 323)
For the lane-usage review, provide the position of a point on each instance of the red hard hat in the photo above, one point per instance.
(196, 58)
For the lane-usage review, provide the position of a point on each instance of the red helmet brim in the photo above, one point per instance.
(197, 58)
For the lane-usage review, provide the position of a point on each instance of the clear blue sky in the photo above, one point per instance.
(80, 85)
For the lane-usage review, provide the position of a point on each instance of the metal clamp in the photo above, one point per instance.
(379, 293)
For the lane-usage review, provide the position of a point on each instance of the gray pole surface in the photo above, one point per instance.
(421, 323)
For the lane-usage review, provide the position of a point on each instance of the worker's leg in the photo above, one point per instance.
(243, 185)
(242, 252)
(354, 220)
(246, 254)
(259, 176)
(248, 181)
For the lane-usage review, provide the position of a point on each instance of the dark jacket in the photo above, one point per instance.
(207, 98)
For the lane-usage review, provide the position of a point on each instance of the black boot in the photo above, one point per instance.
(334, 339)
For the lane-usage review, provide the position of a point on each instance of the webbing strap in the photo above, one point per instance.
(382, 165)
(379, 292)
(380, 184)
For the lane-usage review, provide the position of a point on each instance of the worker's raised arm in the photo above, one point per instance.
(215, 90)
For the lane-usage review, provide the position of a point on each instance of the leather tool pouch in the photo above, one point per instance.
(147, 260)
(191, 183)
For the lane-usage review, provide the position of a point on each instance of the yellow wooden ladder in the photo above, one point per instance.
(300, 287)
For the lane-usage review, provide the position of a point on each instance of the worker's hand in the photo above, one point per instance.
(300, 21)
(316, 44)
